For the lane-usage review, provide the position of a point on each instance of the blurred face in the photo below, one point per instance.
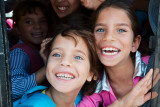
(68, 65)
(65, 7)
(114, 36)
(33, 28)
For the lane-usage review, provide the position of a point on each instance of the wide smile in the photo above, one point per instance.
(65, 76)
(109, 51)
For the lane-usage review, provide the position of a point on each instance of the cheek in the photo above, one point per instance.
(86, 69)
(45, 28)
(49, 74)
(98, 41)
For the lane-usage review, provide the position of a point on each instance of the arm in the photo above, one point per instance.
(20, 73)
(139, 94)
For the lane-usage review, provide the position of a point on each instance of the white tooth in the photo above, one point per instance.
(62, 8)
(64, 76)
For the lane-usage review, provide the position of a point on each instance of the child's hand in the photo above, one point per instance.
(139, 94)
(44, 42)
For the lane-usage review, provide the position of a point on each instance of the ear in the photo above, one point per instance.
(136, 43)
(90, 76)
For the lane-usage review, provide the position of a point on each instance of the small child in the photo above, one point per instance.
(72, 66)
(26, 66)
(70, 55)
(117, 35)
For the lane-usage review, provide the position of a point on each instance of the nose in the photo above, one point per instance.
(37, 25)
(109, 36)
(66, 61)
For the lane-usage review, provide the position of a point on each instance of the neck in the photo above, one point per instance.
(121, 78)
(62, 99)
(121, 73)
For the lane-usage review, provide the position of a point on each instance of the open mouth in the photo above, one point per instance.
(110, 51)
(65, 76)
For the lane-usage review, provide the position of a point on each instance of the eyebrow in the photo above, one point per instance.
(56, 49)
(123, 24)
(81, 52)
(75, 51)
(99, 24)
(119, 24)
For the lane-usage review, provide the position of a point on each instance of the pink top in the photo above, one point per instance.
(104, 93)
(107, 97)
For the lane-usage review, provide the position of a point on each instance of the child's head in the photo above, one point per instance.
(65, 7)
(116, 30)
(30, 21)
(72, 60)
(125, 6)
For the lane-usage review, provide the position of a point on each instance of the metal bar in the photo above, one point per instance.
(5, 81)
(156, 102)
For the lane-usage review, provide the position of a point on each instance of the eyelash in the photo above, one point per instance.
(121, 30)
(76, 57)
(80, 58)
(55, 55)
(99, 30)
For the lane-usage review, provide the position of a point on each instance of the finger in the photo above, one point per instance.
(149, 95)
(146, 80)
(156, 71)
(154, 95)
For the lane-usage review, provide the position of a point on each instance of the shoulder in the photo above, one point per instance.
(38, 100)
(34, 98)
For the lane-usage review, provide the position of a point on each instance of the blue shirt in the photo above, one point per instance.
(35, 98)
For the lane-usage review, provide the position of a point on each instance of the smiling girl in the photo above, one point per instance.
(117, 35)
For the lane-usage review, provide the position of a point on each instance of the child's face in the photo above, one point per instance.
(68, 64)
(65, 7)
(114, 36)
(33, 28)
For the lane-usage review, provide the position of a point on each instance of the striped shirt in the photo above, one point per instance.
(21, 78)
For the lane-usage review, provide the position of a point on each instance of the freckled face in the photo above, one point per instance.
(65, 7)
(68, 65)
(114, 36)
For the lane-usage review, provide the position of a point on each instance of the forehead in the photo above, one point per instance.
(71, 37)
(72, 42)
(35, 11)
(111, 13)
